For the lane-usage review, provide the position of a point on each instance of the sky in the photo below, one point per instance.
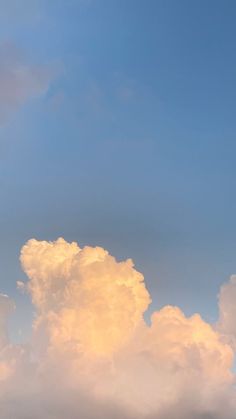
(124, 136)
(117, 130)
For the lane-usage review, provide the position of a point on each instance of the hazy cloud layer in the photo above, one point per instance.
(227, 307)
(91, 354)
(20, 80)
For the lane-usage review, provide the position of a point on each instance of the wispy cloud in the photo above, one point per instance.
(20, 80)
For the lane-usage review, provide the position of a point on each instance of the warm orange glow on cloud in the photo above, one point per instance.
(190, 344)
(90, 341)
(85, 298)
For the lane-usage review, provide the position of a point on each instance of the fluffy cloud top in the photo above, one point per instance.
(93, 356)
(85, 298)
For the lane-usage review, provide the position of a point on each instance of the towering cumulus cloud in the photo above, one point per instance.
(92, 355)
(87, 302)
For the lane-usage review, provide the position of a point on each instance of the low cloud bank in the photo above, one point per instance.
(92, 355)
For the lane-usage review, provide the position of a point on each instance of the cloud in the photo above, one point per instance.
(85, 287)
(6, 307)
(227, 310)
(91, 354)
(20, 80)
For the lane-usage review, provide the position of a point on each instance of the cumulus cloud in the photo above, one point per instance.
(20, 80)
(92, 355)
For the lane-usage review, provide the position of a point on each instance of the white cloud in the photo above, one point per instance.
(92, 355)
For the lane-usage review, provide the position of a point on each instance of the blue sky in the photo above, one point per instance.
(127, 142)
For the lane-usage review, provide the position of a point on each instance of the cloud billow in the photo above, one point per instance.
(92, 355)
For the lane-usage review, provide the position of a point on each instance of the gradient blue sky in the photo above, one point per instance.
(132, 145)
